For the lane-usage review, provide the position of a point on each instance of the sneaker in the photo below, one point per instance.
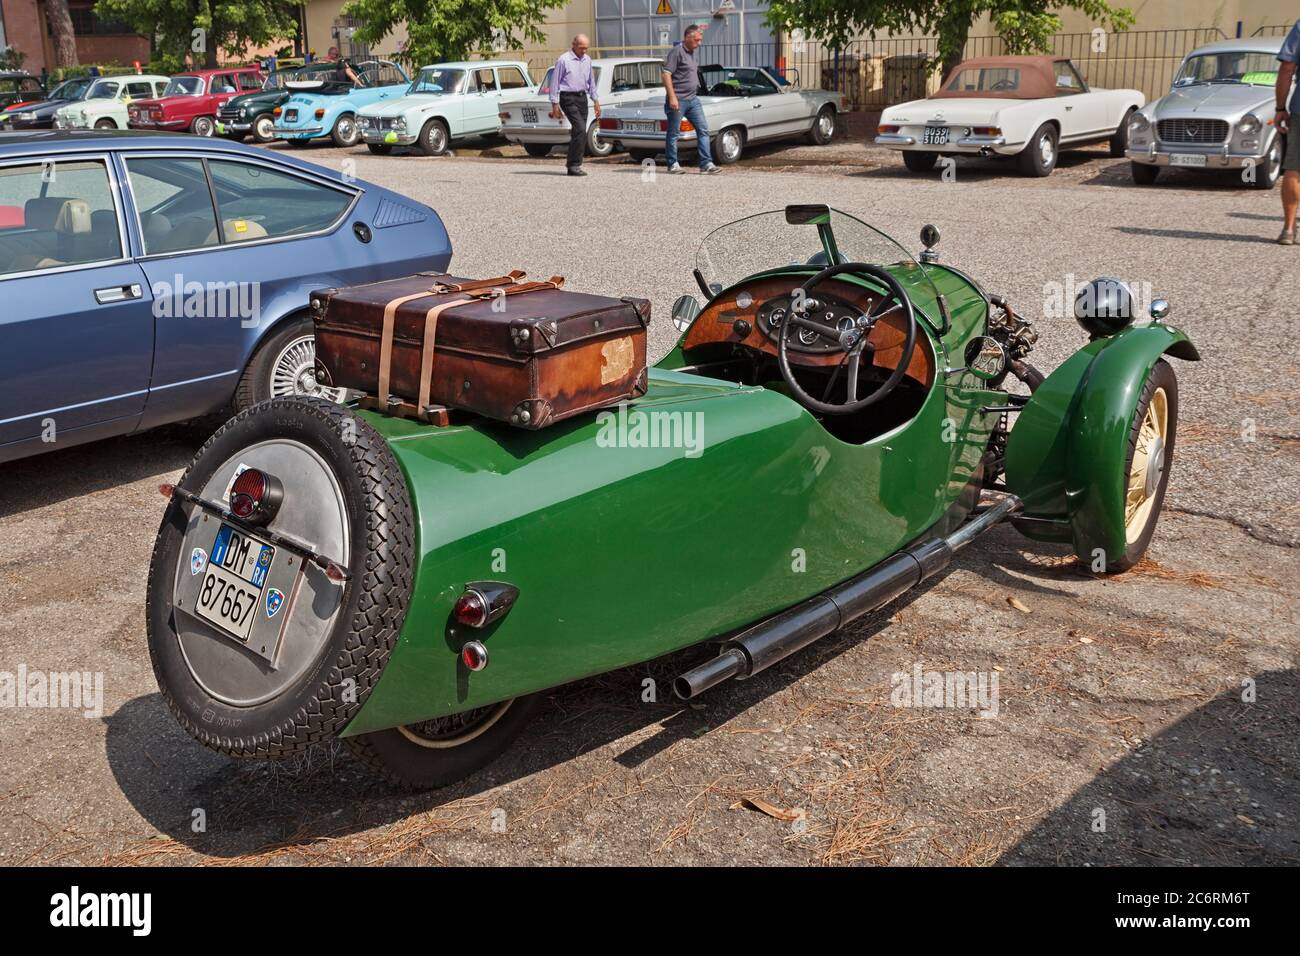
(1287, 238)
(711, 168)
(676, 168)
(577, 172)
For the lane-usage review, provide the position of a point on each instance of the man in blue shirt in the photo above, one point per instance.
(1289, 55)
(572, 82)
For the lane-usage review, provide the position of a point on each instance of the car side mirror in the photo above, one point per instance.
(929, 239)
(685, 310)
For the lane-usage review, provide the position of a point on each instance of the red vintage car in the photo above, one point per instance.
(192, 99)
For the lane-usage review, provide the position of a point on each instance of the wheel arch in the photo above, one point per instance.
(1067, 449)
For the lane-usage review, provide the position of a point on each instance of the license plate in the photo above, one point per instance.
(641, 126)
(291, 116)
(935, 136)
(233, 580)
(1186, 159)
(529, 114)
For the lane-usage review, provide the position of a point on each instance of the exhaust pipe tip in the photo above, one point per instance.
(730, 663)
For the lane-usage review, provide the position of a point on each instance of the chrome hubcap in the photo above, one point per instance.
(827, 125)
(730, 144)
(294, 372)
(1045, 149)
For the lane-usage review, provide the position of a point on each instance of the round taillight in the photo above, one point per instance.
(277, 111)
(255, 496)
(474, 655)
(471, 610)
(320, 114)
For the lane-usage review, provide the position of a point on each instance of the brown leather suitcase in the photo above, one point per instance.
(527, 353)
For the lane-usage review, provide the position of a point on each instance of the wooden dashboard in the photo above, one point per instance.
(742, 317)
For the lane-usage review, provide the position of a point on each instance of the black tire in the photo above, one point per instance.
(320, 702)
(380, 149)
(919, 162)
(203, 126)
(434, 138)
(1119, 142)
(344, 132)
(262, 126)
(819, 135)
(105, 123)
(299, 143)
(1161, 377)
(537, 150)
(640, 155)
(1269, 170)
(1032, 160)
(255, 384)
(411, 766)
(596, 146)
(1145, 174)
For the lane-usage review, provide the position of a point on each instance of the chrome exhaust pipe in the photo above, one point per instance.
(776, 638)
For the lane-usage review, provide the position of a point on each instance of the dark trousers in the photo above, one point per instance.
(574, 108)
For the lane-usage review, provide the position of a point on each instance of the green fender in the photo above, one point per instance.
(1066, 451)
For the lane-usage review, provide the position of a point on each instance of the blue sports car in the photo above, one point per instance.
(149, 278)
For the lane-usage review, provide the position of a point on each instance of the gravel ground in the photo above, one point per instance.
(1145, 719)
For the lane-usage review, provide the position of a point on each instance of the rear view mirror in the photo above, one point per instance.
(685, 309)
(811, 215)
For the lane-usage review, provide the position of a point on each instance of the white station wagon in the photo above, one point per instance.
(447, 101)
(619, 80)
(1023, 106)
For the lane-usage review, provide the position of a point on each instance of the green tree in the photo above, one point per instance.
(199, 29)
(440, 30)
(1025, 25)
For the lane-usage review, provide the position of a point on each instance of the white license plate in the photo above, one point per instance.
(529, 113)
(935, 136)
(1186, 159)
(233, 581)
(641, 126)
(291, 116)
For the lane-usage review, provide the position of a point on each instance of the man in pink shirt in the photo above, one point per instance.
(572, 82)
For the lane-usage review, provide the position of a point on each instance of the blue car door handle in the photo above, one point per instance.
(118, 293)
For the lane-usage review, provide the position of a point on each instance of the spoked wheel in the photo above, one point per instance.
(284, 365)
(1150, 454)
(435, 753)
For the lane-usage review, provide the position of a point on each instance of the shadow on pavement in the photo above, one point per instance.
(1219, 787)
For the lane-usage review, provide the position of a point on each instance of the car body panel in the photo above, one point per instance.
(538, 126)
(787, 113)
(144, 363)
(298, 121)
(470, 111)
(177, 112)
(1186, 111)
(1088, 115)
(86, 113)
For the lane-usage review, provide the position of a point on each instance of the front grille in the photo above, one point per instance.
(228, 112)
(1205, 132)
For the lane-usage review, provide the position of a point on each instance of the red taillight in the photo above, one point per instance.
(986, 130)
(277, 111)
(471, 609)
(609, 123)
(886, 128)
(687, 126)
(505, 117)
(474, 656)
(320, 114)
(255, 496)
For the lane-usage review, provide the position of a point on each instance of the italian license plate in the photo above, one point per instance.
(1186, 159)
(291, 116)
(935, 136)
(641, 126)
(233, 580)
(530, 114)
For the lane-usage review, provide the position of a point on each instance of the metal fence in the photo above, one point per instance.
(873, 74)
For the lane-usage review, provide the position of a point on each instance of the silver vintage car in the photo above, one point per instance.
(743, 105)
(1217, 116)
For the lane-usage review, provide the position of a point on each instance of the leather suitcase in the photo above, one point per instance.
(527, 353)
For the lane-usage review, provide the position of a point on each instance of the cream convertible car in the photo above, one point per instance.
(1023, 106)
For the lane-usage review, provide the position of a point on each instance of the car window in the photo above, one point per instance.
(485, 80)
(104, 89)
(184, 86)
(174, 203)
(249, 81)
(222, 83)
(652, 75)
(137, 90)
(985, 80)
(736, 82)
(511, 78)
(159, 86)
(56, 214)
(381, 74)
(1067, 81)
(31, 86)
(627, 76)
(257, 202)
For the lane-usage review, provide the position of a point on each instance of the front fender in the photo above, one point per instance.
(1067, 450)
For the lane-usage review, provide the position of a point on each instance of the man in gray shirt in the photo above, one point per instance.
(682, 84)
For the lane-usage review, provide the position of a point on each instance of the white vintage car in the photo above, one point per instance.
(1023, 106)
(619, 80)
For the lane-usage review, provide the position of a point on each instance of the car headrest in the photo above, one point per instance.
(44, 212)
(74, 218)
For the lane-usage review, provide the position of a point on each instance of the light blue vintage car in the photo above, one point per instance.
(328, 107)
(447, 101)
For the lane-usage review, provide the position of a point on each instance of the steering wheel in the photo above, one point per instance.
(1001, 85)
(852, 342)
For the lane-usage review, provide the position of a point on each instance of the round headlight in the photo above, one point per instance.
(363, 122)
(1104, 306)
(399, 123)
(1250, 123)
(1138, 124)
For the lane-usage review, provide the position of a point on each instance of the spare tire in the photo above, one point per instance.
(311, 648)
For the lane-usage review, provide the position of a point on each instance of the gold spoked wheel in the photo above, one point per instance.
(1147, 467)
(443, 733)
